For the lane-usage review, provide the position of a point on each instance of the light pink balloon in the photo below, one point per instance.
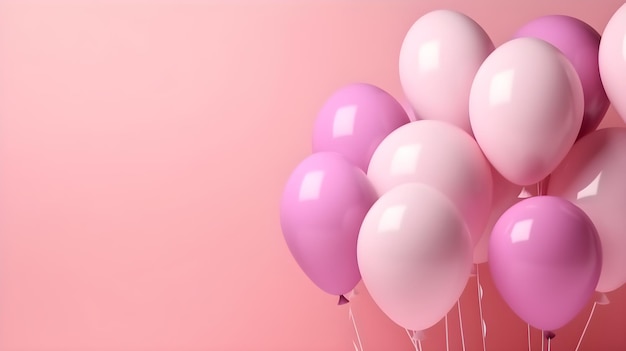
(593, 177)
(414, 253)
(438, 60)
(505, 195)
(440, 155)
(526, 108)
(612, 61)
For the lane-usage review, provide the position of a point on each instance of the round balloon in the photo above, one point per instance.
(438, 60)
(592, 176)
(322, 208)
(579, 42)
(415, 255)
(545, 260)
(612, 60)
(505, 195)
(440, 155)
(526, 109)
(354, 120)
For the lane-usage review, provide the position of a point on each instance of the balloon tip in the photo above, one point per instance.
(342, 300)
(602, 299)
(549, 335)
(418, 335)
(473, 270)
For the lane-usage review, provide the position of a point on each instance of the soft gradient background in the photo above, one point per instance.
(143, 150)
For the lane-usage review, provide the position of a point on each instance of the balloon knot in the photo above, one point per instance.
(342, 300)
(549, 335)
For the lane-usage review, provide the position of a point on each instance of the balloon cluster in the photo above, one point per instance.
(410, 206)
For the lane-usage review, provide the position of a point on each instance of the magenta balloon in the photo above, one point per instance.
(354, 120)
(322, 208)
(545, 258)
(580, 43)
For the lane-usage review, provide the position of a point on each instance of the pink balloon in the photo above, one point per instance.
(593, 176)
(354, 120)
(545, 260)
(414, 252)
(612, 61)
(579, 42)
(322, 208)
(526, 109)
(505, 195)
(438, 60)
(442, 156)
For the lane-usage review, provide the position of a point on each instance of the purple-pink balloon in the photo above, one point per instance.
(580, 43)
(354, 120)
(545, 258)
(322, 208)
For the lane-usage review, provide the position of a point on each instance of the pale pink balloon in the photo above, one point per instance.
(612, 61)
(593, 177)
(438, 60)
(505, 195)
(526, 109)
(440, 155)
(415, 256)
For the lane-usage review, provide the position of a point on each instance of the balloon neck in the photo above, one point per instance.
(602, 299)
(474, 269)
(342, 300)
(549, 335)
(418, 335)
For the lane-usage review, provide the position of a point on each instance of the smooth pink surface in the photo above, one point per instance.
(545, 259)
(592, 177)
(322, 207)
(134, 135)
(415, 255)
(440, 155)
(438, 60)
(526, 108)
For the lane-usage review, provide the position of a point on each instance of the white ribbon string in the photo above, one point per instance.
(483, 325)
(447, 336)
(356, 331)
(417, 344)
(461, 324)
(580, 341)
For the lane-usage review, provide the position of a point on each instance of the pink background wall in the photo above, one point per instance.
(143, 150)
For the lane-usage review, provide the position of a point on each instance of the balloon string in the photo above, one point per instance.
(416, 344)
(539, 192)
(483, 326)
(356, 331)
(458, 304)
(447, 337)
(586, 325)
(529, 348)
